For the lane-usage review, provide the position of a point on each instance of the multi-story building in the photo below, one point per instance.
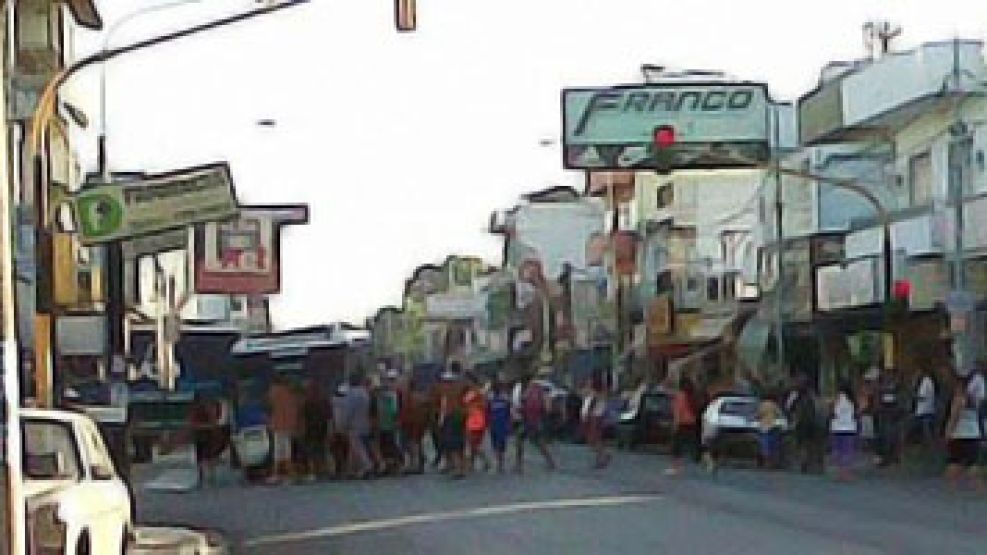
(907, 129)
(554, 245)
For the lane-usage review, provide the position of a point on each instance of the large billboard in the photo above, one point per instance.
(716, 124)
(242, 256)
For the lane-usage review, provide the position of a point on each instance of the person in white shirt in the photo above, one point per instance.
(843, 428)
(925, 412)
(963, 431)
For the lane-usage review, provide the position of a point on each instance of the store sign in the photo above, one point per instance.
(854, 285)
(242, 256)
(451, 306)
(154, 203)
(614, 127)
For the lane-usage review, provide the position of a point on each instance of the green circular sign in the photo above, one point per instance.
(100, 215)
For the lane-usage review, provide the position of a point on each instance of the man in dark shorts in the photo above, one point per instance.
(452, 419)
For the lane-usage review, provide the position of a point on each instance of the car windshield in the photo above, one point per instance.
(50, 451)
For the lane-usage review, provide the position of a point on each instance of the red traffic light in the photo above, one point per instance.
(664, 136)
(902, 289)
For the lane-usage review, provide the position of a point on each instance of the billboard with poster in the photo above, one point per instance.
(242, 256)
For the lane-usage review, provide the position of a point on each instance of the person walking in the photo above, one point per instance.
(888, 415)
(499, 410)
(358, 426)
(414, 420)
(964, 431)
(769, 432)
(685, 425)
(204, 422)
(595, 411)
(844, 428)
(339, 439)
(534, 405)
(284, 427)
(810, 427)
(316, 414)
(387, 404)
(476, 423)
(925, 415)
(451, 422)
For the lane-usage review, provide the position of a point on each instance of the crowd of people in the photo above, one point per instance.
(388, 424)
(944, 416)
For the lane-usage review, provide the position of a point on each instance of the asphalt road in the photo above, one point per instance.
(628, 508)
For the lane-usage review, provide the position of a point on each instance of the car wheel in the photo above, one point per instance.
(84, 545)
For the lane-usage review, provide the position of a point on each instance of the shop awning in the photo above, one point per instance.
(752, 345)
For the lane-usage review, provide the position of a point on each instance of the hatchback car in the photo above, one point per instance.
(730, 425)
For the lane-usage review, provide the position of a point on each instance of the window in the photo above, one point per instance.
(729, 287)
(666, 196)
(920, 178)
(691, 284)
(713, 289)
(50, 451)
(665, 283)
(85, 283)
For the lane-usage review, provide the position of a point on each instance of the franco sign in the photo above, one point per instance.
(154, 203)
(712, 125)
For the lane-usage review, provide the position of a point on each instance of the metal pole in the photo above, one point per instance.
(15, 525)
(779, 222)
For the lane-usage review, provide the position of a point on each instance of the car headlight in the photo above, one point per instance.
(48, 531)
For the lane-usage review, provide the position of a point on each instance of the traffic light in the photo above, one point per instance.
(664, 136)
(901, 292)
(663, 139)
(405, 15)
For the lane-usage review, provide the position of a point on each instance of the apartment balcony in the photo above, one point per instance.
(867, 99)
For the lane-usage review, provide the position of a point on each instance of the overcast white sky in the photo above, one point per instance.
(403, 144)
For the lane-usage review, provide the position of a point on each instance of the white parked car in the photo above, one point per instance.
(731, 422)
(76, 501)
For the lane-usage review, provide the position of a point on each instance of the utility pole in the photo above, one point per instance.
(779, 222)
(961, 304)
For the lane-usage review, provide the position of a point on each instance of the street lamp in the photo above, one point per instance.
(102, 153)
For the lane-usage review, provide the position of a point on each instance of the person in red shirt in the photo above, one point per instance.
(685, 424)
(476, 423)
(284, 424)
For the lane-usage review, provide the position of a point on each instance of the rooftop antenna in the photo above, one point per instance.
(878, 35)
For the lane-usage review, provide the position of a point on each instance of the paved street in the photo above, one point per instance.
(629, 507)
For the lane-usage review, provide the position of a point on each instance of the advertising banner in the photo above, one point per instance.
(614, 127)
(152, 203)
(242, 256)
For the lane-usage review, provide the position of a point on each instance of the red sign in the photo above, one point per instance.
(242, 256)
